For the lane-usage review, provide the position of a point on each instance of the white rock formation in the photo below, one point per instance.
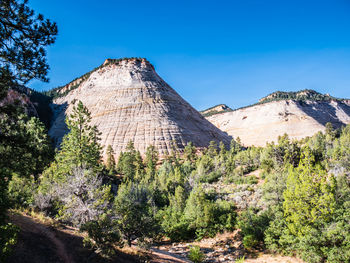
(256, 125)
(129, 101)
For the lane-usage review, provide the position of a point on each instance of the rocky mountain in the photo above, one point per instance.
(215, 110)
(22, 97)
(129, 101)
(299, 114)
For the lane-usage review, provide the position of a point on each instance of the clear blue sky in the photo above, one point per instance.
(211, 52)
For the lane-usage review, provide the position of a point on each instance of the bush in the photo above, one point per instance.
(253, 226)
(21, 191)
(135, 210)
(196, 255)
(250, 241)
(211, 177)
(237, 177)
(207, 217)
(103, 234)
(8, 238)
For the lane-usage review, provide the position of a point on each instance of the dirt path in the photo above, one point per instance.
(40, 243)
(26, 223)
(166, 257)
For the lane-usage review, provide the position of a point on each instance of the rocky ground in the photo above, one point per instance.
(226, 247)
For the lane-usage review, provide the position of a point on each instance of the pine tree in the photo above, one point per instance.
(80, 147)
(190, 153)
(130, 163)
(24, 37)
(72, 184)
(309, 199)
(212, 149)
(110, 163)
(151, 162)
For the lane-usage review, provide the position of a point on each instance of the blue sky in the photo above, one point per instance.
(210, 52)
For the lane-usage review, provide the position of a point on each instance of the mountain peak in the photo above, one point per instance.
(129, 101)
(220, 108)
(132, 62)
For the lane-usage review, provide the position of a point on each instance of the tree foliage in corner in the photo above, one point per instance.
(23, 38)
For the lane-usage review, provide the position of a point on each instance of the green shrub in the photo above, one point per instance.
(103, 234)
(207, 217)
(211, 177)
(8, 238)
(250, 241)
(253, 226)
(21, 191)
(196, 255)
(238, 178)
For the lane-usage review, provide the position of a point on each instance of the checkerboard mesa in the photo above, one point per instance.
(129, 101)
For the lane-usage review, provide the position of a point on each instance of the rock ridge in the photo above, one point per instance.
(262, 123)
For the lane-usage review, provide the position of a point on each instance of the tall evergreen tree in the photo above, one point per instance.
(80, 151)
(79, 148)
(151, 162)
(110, 162)
(23, 38)
(130, 163)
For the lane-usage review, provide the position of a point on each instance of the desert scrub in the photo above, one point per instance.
(196, 255)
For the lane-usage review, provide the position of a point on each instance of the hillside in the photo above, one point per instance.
(128, 101)
(215, 110)
(299, 114)
(302, 95)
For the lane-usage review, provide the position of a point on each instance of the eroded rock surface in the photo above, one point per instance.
(263, 123)
(129, 101)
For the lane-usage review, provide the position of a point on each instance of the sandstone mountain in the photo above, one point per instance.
(215, 110)
(129, 101)
(299, 114)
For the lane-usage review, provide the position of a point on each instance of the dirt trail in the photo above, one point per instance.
(26, 223)
(43, 244)
(162, 256)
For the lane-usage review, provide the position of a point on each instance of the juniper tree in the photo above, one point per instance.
(135, 210)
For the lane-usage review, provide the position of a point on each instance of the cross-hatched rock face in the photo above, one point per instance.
(263, 123)
(128, 101)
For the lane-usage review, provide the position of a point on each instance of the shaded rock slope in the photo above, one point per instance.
(128, 101)
(299, 114)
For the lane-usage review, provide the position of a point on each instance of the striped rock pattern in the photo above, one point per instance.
(128, 101)
(259, 124)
